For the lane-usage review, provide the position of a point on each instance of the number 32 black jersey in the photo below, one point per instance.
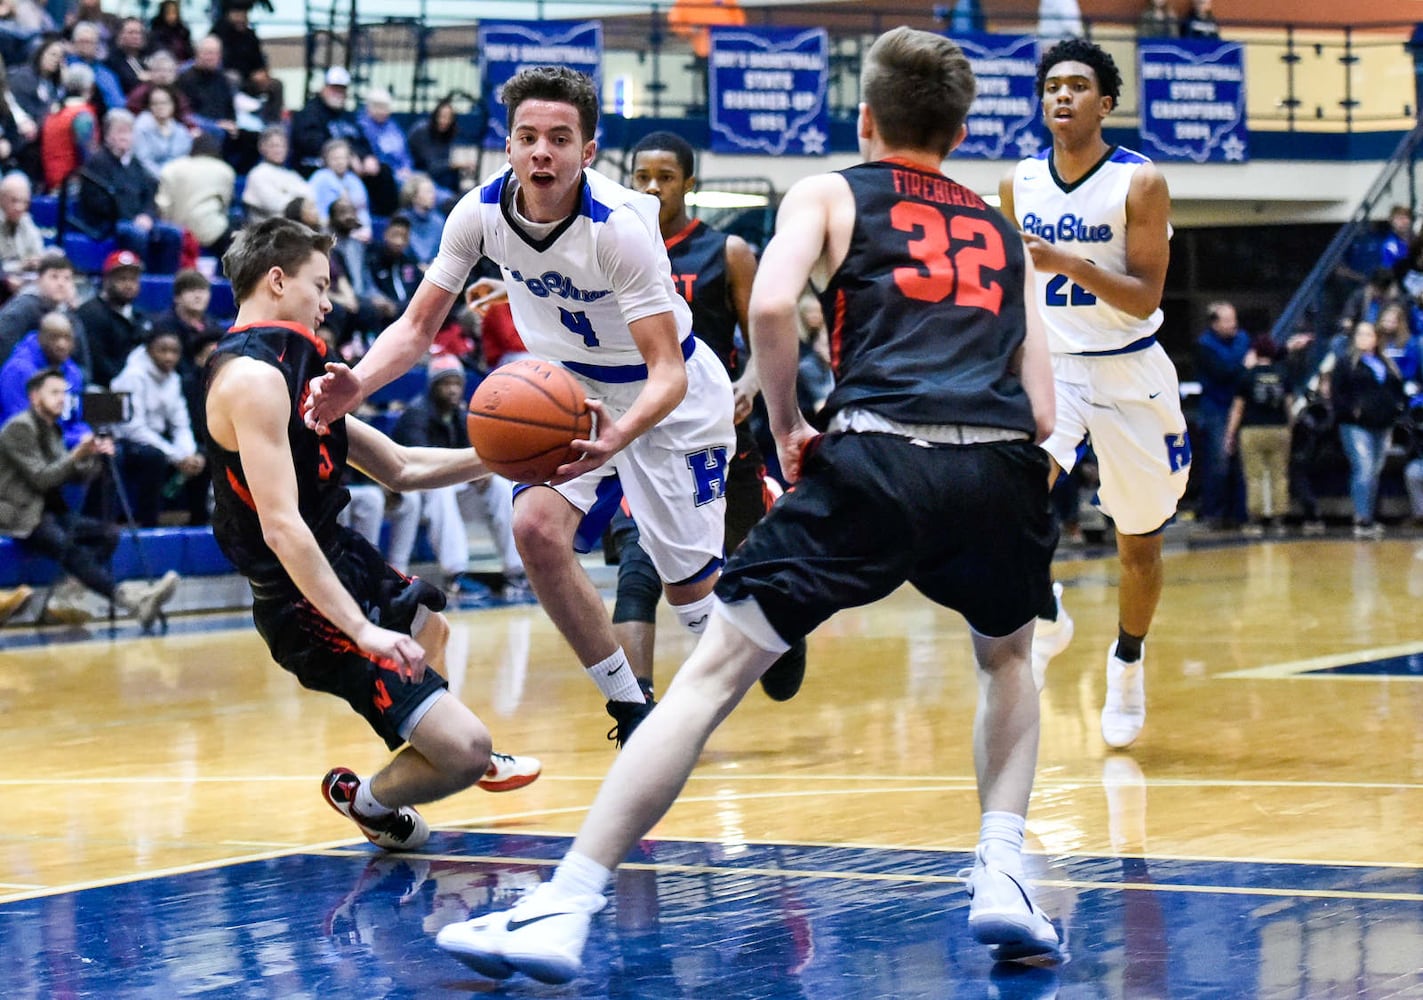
(926, 312)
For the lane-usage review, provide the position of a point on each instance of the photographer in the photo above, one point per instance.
(34, 464)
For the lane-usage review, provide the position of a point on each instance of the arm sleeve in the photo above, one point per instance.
(461, 245)
(636, 264)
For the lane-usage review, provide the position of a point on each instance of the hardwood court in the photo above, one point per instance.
(165, 835)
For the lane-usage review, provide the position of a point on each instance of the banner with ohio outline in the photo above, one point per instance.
(1193, 100)
(767, 91)
(507, 47)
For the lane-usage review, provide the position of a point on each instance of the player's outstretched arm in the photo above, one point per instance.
(402, 469)
(340, 390)
(802, 233)
(248, 411)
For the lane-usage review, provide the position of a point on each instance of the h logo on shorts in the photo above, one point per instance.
(708, 474)
(1178, 451)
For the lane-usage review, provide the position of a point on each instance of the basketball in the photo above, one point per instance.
(522, 418)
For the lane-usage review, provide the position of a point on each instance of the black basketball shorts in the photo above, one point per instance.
(969, 526)
(323, 658)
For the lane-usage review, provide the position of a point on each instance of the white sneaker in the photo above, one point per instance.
(1003, 916)
(542, 937)
(1050, 638)
(1124, 712)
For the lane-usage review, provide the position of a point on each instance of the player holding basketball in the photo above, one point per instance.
(928, 474)
(590, 287)
(1096, 219)
(325, 602)
(713, 271)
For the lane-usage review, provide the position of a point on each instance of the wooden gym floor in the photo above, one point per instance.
(164, 834)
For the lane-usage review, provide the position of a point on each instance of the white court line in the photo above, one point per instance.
(1294, 668)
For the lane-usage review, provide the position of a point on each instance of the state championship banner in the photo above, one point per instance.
(767, 91)
(1003, 122)
(506, 47)
(1193, 100)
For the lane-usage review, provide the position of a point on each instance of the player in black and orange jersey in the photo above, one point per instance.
(929, 474)
(713, 271)
(329, 608)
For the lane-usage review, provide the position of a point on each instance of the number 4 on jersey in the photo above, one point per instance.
(578, 323)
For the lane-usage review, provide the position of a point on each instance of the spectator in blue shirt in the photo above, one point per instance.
(1220, 363)
(1400, 234)
(385, 136)
(418, 198)
(51, 346)
(336, 180)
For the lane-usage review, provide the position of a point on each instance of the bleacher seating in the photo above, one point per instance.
(44, 209)
(402, 389)
(87, 255)
(155, 293)
(222, 305)
(190, 551)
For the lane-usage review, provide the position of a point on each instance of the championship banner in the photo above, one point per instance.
(768, 91)
(1002, 124)
(506, 47)
(1193, 100)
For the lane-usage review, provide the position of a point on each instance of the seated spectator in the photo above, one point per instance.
(51, 346)
(69, 136)
(1366, 391)
(91, 12)
(209, 91)
(1398, 344)
(159, 137)
(195, 193)
(385, 137)
(167, 31)
(394, 271)
(418, 199)
(86, 46)
(324, 118)
(116, 199)
(113, 325)
(125, 58)
(303, 210)
(17, 130)
(34, 464)
(244, 55)
(1200, 22)
(431, 145)
(21, 22)
(21, 244)
(162, 72)
(271, 186)
(37, 85)
(189, 319)
(1394, 248)
(350, 272)
(1158, 20)
(437, 420)
(1366, 301)
(157, 453)
(53, 289)
(337, 180)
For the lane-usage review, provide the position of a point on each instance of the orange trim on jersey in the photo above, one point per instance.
(679, 237)
(837, 331)
(899, 161)
(243, 493)
(316, 341)
(337, 641)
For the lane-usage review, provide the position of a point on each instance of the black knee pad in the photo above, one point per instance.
(639, 586)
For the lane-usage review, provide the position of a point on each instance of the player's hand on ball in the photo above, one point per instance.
(397, 647)
(331, 396)
(605, 442)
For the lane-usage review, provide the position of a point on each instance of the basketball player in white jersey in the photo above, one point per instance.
(1096, 220)
(590, 287)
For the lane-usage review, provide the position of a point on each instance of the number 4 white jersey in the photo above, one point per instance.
(573, 291)
(1088, 218)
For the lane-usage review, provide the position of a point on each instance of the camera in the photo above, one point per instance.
(102, 408)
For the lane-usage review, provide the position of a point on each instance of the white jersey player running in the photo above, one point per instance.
(1095, 219)
(590, 287)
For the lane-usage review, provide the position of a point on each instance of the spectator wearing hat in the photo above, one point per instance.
(157, 453)
(21, 244)
(271, 185)
(384, 135)
(325, 118)
(195, 193)
(53, 289)
(51, 346)
(209, 91)
(113, 325)
(437, 420)
(188, 318)
(116, 198)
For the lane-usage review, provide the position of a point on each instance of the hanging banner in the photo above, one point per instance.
(1193, 100)
(768, 90)
(507, 47)
(1003, 122)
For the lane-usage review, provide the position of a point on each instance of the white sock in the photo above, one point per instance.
(1000, 840)
(694, 616)
(614, 678)
(366, 805)
(579, 875)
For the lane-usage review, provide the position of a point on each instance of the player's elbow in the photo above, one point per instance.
(1046, 422)
(281, 535)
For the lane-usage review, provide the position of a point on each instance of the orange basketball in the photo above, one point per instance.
(522, 418)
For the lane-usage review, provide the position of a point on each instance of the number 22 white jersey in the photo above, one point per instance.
(574, 291)
(1087, 218)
